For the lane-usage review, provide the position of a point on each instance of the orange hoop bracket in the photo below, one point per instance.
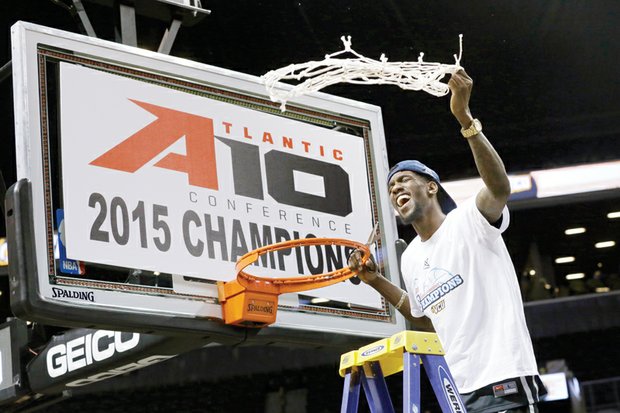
(253, 301)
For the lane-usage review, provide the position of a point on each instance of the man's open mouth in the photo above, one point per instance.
(402, 199)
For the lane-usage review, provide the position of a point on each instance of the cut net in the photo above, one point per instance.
(418, 75)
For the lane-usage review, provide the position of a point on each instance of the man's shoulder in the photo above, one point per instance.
(466, 211)
(469, 212)
(464, 206)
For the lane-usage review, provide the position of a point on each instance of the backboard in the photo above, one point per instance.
(156, 174)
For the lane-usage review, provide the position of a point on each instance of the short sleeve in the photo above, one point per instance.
(478, 224)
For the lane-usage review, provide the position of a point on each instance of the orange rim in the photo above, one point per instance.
(295, 284)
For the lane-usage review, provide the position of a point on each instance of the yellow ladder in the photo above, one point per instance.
(405, 351)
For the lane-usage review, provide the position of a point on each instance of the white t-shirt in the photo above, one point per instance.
(463, 279)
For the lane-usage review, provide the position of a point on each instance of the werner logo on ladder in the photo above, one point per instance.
(406, 352)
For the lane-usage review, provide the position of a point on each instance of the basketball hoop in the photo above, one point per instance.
(419, 75)
(252, 301)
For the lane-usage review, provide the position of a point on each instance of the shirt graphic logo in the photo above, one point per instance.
(426, 266)
(438, 307)
(439, 282)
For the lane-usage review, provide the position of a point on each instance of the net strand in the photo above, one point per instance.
(417, 75)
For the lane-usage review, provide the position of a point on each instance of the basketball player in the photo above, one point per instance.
(459, 277)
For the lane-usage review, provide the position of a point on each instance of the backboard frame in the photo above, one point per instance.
(31, 229)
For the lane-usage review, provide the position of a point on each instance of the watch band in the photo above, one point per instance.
(474, 129)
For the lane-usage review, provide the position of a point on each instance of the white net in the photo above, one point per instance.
(419, 75)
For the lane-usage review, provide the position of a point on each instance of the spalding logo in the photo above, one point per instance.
(452, 397)
(373, 350)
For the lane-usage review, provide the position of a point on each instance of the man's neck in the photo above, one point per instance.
(426, 226)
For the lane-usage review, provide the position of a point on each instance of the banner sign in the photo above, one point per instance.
(548, 183)
(163, 180)
(80, 357)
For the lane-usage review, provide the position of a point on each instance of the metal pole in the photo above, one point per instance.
(168, 39)
(129, 35)
(81, 13)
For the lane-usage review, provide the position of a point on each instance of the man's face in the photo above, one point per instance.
(409, 195)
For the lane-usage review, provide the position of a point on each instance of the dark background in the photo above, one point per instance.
(545, 87)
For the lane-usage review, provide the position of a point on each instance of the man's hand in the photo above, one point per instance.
(461, 84)
(367, 271)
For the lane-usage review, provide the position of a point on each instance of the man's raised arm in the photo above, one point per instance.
(493, 197)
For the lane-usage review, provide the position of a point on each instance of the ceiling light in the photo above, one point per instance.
(613, 215)
(564, 260)
(575, 276)
(602, 289)
(605, 244)
(319, 300)
(573, 231)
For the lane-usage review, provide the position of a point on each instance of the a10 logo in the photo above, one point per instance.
(200, 166)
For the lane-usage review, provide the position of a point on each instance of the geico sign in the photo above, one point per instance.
(200, 166)
(88, 349)
(119, 370)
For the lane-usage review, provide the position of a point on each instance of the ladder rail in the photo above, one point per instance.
(443, 384)
(376, 389)
(411, 382)
(351, 390)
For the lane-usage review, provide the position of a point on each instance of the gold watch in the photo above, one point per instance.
(474, 129)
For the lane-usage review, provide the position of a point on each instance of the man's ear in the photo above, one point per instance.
(432, 187)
